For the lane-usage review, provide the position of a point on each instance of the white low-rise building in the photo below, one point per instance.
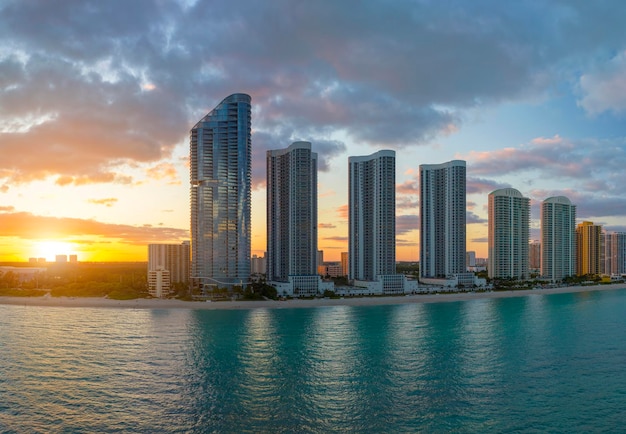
(159, 283)
(303, 286)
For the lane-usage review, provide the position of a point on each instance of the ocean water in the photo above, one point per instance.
(541, 363)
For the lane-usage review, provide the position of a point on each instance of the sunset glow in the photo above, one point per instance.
(49, 249)
(95, 120)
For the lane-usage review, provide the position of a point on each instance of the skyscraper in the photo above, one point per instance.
(588, 252)
(558, 238)
(220, 148)
(442, 219)
(534, 255)
(372, 215)
(171, 257)
(614, 253)
(509, 219)
(292, 212)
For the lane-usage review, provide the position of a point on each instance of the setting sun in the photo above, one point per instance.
(49, 249)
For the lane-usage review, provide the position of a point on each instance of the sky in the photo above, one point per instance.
(97, 99)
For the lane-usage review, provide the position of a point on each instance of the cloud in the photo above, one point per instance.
(29, 226)
(326, 226)
(406, 223)
(164, 170)
(604, 89)
(471, 218)
(480, 240)
(481, 185)
(109, 201)
(406, 203)
(410, 186)
(89, 87)
(7, 208)
(336, 238)
(342, 211)
(583, 163)
(590, 204)
(282, 138)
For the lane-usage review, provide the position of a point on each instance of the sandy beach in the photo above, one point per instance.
(287, 304)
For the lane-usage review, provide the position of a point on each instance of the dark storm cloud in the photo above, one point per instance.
(87, 86)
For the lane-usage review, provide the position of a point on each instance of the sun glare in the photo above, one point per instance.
(50, 249)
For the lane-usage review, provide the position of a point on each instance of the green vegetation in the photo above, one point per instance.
(259, 291)
(412, 268)
(120, 281)
(18, 292)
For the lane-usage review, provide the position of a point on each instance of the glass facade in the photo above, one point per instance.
(220, 164)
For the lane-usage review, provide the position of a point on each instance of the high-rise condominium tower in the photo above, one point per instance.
(372, 215)
(220, 194)
(614, 253)
(588, 252)
(291, 212)
(509, 219)
(442, 219)
(558, 238)
(171, 257)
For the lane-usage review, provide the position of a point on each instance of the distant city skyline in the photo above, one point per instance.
(95, 119)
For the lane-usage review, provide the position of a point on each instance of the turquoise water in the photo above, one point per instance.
(552, 363)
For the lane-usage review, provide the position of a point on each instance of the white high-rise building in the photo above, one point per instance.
(558, 238)
(442, 219)
(508, 233)
(220, 163)
(292, 214)
(372, 215)
(614, 253)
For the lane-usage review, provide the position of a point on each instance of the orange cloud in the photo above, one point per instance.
(164, 171)
(25, 225)
(343, 211)
(109, 201)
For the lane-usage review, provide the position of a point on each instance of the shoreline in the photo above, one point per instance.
(155, 303)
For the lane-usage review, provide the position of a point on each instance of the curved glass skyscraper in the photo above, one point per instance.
(220, 153)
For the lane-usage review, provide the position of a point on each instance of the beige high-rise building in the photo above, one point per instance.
(534, 255)
(344, 263)
(509, 221)
(588, 248)
(171, 257)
